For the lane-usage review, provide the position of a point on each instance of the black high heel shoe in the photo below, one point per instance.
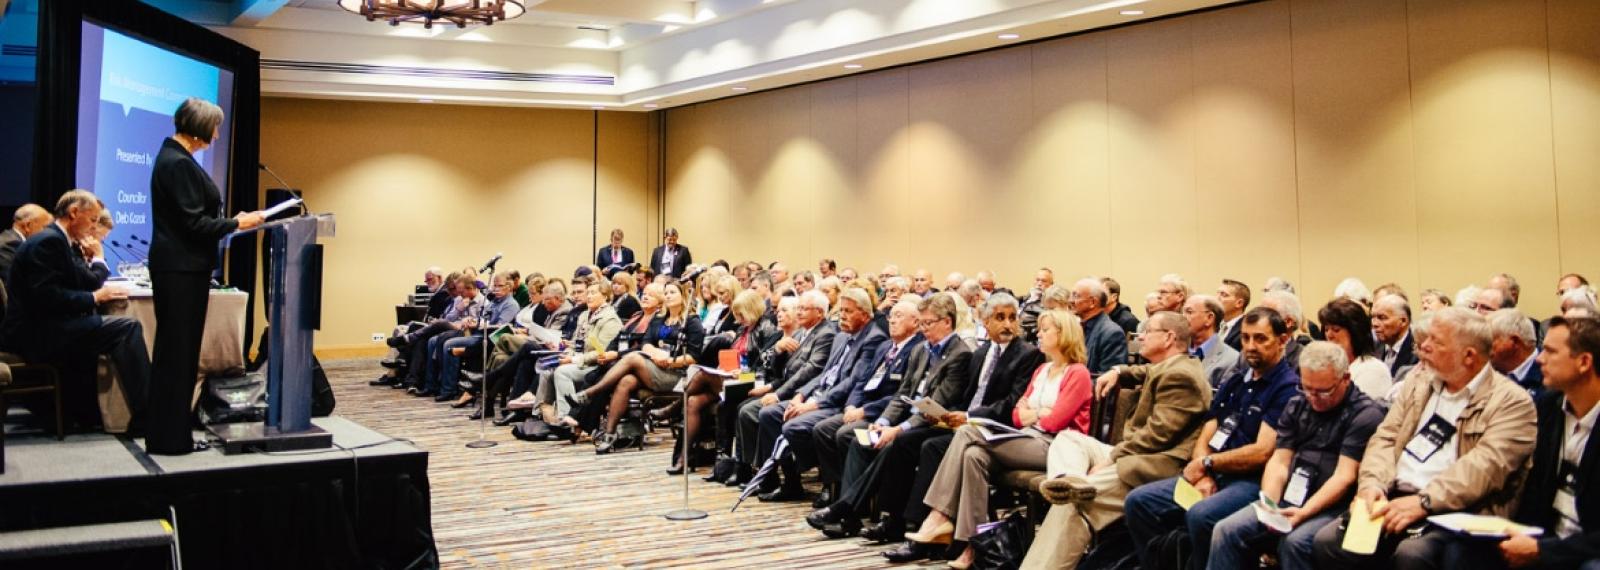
(512, 418)
(464, 403)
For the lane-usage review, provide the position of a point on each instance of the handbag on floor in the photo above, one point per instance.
(1003, 545)
(531, 429)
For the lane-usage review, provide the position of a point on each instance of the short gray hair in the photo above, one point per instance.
(1322, 355)
(857, 296)
(789, 303)
(197, 118)
(1354, 290)
(77, 198)
(1175, 280)
(1287, 305)
(1058, 294)
(897, 281)
(1506, 323)
(1580, 296)
(1419, 326)
(969, 287)
(906, 305)
(1176, 324)
(1395, 302)
(1472, 330)
(995, 301)
(1212, 306)
(1278, 284)
(1096, 289)
(555, 288)
(814, 299)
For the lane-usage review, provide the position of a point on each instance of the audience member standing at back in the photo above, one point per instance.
(670, 258)
(615, 254)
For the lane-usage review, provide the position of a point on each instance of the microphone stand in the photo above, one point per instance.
(286, 186)
(685, 513)
(483, 441)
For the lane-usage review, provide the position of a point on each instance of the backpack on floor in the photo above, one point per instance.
(1170, 551)
(1112, 549)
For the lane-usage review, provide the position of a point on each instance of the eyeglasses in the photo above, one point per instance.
(1318, 393)
(1151, 331)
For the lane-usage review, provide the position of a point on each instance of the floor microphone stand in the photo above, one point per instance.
(483, 441)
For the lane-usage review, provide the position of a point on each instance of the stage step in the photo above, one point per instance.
(61, 541)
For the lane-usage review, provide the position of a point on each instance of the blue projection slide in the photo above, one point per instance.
(129, 90)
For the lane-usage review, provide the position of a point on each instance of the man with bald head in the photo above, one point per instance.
(1205, 314)
(1106, 343)
(986, 281)
(1391, 323)
(28, 220)
(922, 282)
(1491, 299)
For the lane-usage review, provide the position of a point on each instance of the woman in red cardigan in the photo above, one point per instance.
(1058, 397)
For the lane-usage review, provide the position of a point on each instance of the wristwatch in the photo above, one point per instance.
(1206, 463)
(1427, 502)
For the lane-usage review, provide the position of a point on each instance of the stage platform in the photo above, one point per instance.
(362, 504)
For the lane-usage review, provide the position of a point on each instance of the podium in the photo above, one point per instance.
(293, 290)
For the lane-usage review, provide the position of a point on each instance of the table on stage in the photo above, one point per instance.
(221, 351)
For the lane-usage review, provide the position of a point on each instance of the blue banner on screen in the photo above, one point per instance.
(128, 91)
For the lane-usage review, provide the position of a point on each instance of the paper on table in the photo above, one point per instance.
(278, 209)
(1361, 537)
(1185, 494)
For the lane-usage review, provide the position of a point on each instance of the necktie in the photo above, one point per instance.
(983, 376)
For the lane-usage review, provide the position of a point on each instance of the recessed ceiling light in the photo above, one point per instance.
(852, 66)
(1133, 12)
(1009, 36)
(740, 88)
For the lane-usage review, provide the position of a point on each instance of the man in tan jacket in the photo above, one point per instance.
(1093, 477)
(1456, 441)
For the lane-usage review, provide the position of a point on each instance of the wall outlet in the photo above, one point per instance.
(377, 337)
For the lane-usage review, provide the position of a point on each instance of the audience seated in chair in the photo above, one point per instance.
(669, 345)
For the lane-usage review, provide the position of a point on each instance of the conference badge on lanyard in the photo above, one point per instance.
(1299, 486)
(1224, 433)
(1433, 436)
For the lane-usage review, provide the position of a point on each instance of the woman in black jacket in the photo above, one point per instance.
(750, 341)
(671, 342)
(183, 251)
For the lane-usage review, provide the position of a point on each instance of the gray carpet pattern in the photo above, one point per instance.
(555, 505)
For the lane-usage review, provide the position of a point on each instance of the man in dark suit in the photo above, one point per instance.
(28, 220)
(1558, 495)
(1235, 298)
(1000, 373)
(1105, 340)
(856, 350)
(809, 351)
(938, 370)
(670, 258)
(834, 435)
(615, 254)
(1514, 352)
(1391, 324)
(53, 319)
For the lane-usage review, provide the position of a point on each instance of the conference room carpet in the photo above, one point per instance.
(554, 505)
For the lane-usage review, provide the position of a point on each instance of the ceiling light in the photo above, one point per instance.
(597, 108)
(852, 66)
(1009, 36)
(740, 88)
(424, 100)
(425, 12)
(1133, 12)
(650, 105)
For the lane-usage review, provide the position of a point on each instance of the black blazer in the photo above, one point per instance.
(52, 295)
(945, 382)
(1407, 356)
(1539, 492)
(603, 258)
(10, 240)
(1009, 381)
(678, 263)
(627, 306)
(807, 361)
(1232, 339)
(188, 213)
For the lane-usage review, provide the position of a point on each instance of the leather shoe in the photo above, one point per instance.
(395, 341)
(511, 418)
(442, 398)
(911, 552)
(402, 386)
(423, 393)
(889, 530)
(392, 363)
(385, 380)
(783, 494)
(941, 534)
(822, 517)
(824, 499)
(846, 528)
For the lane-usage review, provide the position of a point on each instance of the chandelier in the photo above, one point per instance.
(460, 12)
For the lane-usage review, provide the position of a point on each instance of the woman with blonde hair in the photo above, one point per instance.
(669, 346)
(749, 342)
(1058, 398)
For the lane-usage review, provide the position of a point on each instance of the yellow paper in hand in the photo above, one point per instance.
(1361, 537)
(862, 438)
(1185, 494)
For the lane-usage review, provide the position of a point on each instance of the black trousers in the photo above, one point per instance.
(931, 455)
(121, 339)
(181, 300)
(886, 474)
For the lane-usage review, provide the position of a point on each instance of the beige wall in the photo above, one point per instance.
(420, 185)
(1429, 142)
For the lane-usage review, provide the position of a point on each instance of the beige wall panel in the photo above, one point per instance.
(1575, 96)
(883, 149)
(789, 176)
(699, 179)
(623, 183)
(1481, 92)
(967, 117)
(856, 225)
(1354, 147)
(1152, 155)
(408, 195)
(1063, 166)
(1245, 163)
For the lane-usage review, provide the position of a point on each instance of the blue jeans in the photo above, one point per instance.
(435, 360)
(1238, 539)
(1151, 512)
(450, 364)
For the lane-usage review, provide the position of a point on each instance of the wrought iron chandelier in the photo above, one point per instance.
(459, 12)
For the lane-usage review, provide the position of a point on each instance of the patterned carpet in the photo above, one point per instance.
(555, 505)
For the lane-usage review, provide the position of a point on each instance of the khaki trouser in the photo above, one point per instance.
(1061, 540)
(960, 488)
(504, 347)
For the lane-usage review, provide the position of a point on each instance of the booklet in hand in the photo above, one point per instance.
(1271, 516)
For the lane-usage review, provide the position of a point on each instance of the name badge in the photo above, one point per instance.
(1566, 503)
(1224, 433)
(1433, 436)
(878, 379)
(1299, 486)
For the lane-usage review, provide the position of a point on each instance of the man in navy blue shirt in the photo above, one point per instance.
(1235, 443)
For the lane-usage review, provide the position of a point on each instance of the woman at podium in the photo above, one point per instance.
(189, 223)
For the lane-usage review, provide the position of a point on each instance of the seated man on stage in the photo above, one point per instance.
(53, 319)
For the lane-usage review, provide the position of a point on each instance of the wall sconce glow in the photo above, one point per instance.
(852, 66)
(1008, 37)
(1132, 12)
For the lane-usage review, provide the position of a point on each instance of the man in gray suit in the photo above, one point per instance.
(28, 220)
(1205, 315)
(1105, 340)
(810, 349)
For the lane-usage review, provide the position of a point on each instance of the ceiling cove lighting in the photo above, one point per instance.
(1132, 12)
(1009, 37)
(852, 66)
(740, 88)
(426, 12)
